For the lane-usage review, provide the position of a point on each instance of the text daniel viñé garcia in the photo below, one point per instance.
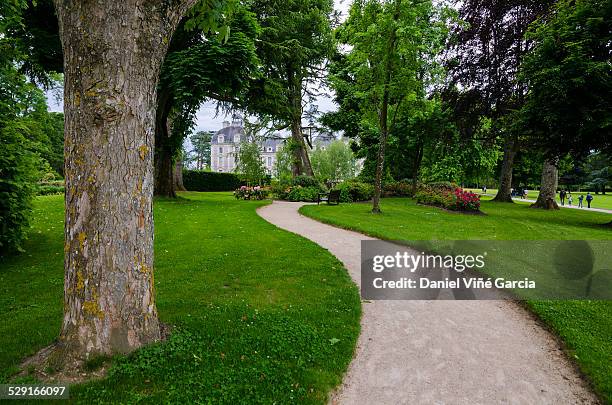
(459, 263)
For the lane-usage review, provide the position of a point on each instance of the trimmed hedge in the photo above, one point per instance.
(199, 180)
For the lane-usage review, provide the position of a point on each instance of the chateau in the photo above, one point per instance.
(225, 144)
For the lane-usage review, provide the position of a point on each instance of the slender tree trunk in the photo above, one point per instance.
(548, 187)
(380, 159)
(505, 178)
(178, 176)
(417, 166)
(383, 117)
(112, 56)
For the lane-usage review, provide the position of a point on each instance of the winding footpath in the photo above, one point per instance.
(441, 352)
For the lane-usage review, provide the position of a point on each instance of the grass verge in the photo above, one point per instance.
(260, 315)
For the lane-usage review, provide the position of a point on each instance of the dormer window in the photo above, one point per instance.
(220, 139)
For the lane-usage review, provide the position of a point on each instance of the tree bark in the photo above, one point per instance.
(548, 188)
(505, 179)
(164, 173)
(300, 152)
(164, 185)
(112, 56)
(178, 176)
(302, 163)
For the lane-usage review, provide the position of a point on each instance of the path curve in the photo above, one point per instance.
(441, 352)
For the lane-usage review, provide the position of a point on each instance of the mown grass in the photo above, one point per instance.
(603, 201)
(259, 315)
(585, 326)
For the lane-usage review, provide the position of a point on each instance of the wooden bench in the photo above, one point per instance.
(333, 197)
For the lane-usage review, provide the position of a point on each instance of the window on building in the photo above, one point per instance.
(269, 161)
(220, 150)
(220, 139)
(269, 149)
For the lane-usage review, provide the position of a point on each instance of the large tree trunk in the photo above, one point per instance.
(301, 164)
(164, 173)
(164, 185)
(112, 56)
(505, 178)
(548, 187)
(300, 151)
(178, 176)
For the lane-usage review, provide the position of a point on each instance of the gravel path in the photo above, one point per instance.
(442, 352)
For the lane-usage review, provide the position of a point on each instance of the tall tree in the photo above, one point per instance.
(334, 163)
(389, 67)
(201, 66)
(200, 154)
(485, 59)
(113, 53)
(569, 105)
(296, 40)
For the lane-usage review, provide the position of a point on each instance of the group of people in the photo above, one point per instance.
(520, 192)
(567, 195)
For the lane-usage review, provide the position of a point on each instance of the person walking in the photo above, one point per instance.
(580, 198)
(589, 198)
(562, 197)
(569, 199)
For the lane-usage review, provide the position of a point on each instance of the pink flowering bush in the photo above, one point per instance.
(449, 197)
(466, 200)
(251, 193)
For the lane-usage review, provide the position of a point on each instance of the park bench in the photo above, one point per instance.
(333, 197)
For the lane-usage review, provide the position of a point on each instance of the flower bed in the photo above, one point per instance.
(251, 193)
(449, 197)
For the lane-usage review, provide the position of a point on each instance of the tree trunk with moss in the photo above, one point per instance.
(301, 164)
(504, 193)
(178, 176)
(548, 188)
(112, 56)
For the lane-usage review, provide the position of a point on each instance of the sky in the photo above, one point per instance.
(207, 118)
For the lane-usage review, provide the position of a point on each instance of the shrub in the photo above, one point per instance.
(50, 187)
(251, 193)
(306, 194)
(199, 180)
(455, 199)
(300, 188)
(443, 186)
(18, 175)
(306, 181)
(398, 189)
(353, 191)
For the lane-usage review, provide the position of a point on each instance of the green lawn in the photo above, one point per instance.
(585, 326)
(260, 315)
(600, 200)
